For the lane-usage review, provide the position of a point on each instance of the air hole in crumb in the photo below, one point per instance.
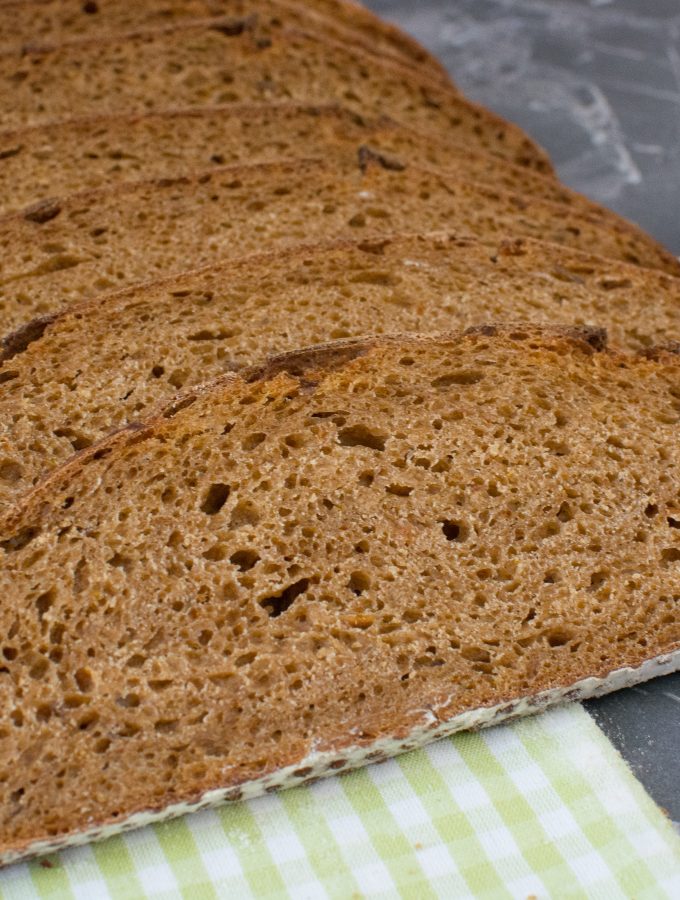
(136, 661)
(453, 531)
(296, 441)
(673, 523)
(215, 498)
(166, 726)
(251, 441)
(44, 602)
(276, 604)
(399, 490)
(651, 510)
(10, 471)
(558, 637)
(88, 720)
(244, 559)
(216, 553)
(597, 579)
(564, 513)
(362, 436)
(20, 540)
(84, 680)
(128, 701)
(670, 555)
(39, 669)
(475, 654)
(359, 582)
(245, 659)
(119, 561)
(457, 378)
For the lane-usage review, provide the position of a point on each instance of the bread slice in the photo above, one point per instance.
(332, 558)
(66, 382)
(64, 250)
(224, 61)
(34, 22)
(62, 157)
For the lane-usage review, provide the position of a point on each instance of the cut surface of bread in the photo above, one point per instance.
(223, 62)
(53, 21)
(64, 250)
(66, 383)
(328, 555)
(73, 155)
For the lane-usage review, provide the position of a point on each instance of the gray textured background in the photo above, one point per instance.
(597, 82)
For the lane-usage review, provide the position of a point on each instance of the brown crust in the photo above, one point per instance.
(591, 335)
(662, 352)
(17, 341)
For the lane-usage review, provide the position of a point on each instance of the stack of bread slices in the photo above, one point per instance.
(330, 420)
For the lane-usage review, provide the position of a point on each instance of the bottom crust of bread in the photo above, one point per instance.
(320, 764)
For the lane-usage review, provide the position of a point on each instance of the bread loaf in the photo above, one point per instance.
(64, 250)
(65, 383)
(213, 62)
(34, 22)
(329, 559)
(62, 157)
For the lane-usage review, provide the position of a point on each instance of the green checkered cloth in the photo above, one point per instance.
(542, 808)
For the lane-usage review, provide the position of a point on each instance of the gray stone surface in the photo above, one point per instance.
(597, 82)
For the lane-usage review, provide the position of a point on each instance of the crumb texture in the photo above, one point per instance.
(66, 383)
(49, 21)
(328, 551)
(213, 63)
(63, 157)
(61, 251)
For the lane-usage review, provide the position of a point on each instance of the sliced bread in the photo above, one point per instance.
(222, 62)
(67, 381)
(64, 250)
(335, 557)
(62, 157)
(33, 22)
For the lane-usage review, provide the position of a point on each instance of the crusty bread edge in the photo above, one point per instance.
(321, 764)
